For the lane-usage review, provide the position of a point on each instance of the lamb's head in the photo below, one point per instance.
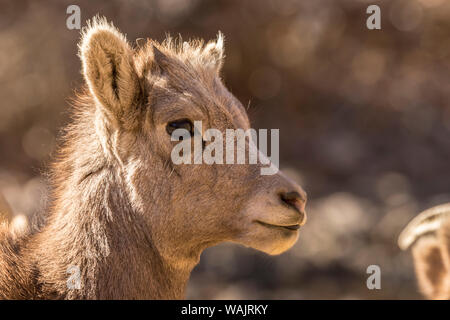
(142, 96)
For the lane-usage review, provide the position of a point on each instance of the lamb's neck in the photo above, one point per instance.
(94, 229)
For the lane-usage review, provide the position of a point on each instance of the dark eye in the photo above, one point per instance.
(180, 124)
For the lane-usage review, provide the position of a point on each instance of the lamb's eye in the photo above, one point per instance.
(180, 124)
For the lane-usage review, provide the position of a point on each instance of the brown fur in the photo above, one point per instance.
(5, 210)
(429, 235)
(131, 221)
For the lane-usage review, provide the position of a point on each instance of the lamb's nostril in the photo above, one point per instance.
(291, 197)
(294, 200)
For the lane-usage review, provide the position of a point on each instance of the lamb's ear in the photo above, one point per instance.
(213, 53)
(108, 66)
(429, 266)
(444, 239)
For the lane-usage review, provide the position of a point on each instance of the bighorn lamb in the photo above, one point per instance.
(124, 221)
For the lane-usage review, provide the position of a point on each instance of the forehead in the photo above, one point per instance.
(196, 94)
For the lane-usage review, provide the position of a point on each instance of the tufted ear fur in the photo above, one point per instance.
(213, 53)
(108, 67)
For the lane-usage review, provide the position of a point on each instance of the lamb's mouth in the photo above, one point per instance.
(293, 227)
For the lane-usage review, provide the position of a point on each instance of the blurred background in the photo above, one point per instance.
(364, 119)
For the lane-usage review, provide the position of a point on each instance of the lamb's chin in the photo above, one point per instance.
(270, 241)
